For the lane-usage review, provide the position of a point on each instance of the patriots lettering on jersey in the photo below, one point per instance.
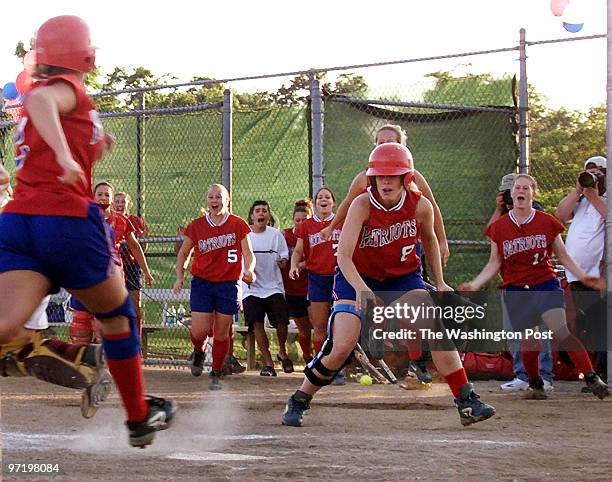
(525, 243)
(216, 242)
(379, 237)
(316, 239)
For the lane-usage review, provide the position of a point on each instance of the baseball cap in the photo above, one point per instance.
(507, 182)
(599, 161)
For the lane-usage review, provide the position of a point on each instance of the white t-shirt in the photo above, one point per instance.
(586, 239)
(269, 246)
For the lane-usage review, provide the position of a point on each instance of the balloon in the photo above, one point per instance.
(23, 82)
(29, 61)
(9, 91)
(558, 6)
(573, 27)
(11, 110)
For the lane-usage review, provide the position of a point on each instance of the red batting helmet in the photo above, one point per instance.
(64, 41)
(391, 159)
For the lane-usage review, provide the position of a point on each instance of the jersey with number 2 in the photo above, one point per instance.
(218, 247)
(321, 255)
(525, 248)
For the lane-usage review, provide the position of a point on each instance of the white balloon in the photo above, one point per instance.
(574, 13)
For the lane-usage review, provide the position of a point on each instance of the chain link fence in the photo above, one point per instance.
(462, 131)
(462, 150)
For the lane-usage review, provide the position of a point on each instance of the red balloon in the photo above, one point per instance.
(557, 7)
(23, 82)
(29, 61)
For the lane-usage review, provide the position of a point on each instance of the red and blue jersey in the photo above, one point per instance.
(387, 243)
(525, 248)
(298, 287)
(218, 247)
(320, 254)
(140, 231)
(38, 190)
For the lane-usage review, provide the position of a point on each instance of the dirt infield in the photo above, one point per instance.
(352, 432)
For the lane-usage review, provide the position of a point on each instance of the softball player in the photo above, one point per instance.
(296, 291)
(133, 272)
(377, 252)
(320, 257)
(53, 235)
(84, 327)
(221, 245)
(392, 133)
(522, 242)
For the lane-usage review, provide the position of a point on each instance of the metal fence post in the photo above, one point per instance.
(140, 145)
(317, 133)
(226, 167)
(523, 108)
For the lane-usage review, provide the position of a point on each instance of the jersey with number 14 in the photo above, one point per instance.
(218, 247)
(320, 254)
(387, 244)
(525, 249)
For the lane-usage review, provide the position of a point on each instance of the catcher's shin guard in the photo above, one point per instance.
(41, 361)
(317, 373)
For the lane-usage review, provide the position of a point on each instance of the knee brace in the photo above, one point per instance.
(41, 361)
(121, 347)
(317, 373)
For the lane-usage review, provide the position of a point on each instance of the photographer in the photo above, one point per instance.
(585, 207)
(503, 204)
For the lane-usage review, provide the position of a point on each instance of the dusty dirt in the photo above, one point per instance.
(351, 432)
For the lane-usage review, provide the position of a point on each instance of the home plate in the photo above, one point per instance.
(208, 456)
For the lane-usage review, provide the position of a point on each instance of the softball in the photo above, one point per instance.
(365, 380)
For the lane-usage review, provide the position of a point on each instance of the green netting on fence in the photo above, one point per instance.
(271, 160)
(462, 154)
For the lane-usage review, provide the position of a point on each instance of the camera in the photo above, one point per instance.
(507, 197)
(589, 179)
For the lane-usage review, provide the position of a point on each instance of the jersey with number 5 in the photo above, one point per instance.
(218, 247)
(387, 243)
(38, 190)
(321, 255)
(525, 249)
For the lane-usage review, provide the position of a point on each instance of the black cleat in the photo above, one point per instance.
(471, 409)
(161, 413)
(197, 364)
(297, 404)
(596, 385)
(536, 390)
(215, 380)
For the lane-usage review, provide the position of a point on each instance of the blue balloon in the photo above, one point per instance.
(9, 91)
(573, 27)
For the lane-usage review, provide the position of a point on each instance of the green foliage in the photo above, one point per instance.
(471, 89)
